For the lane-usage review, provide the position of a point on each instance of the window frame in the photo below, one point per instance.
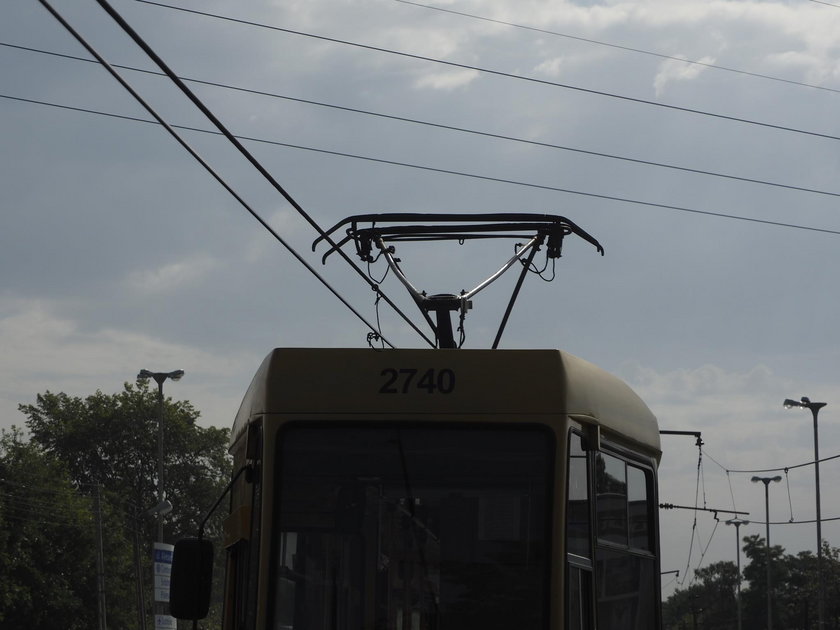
(640, 461)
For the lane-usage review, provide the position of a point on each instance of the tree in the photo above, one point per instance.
(47, 567)
(708, 603)
(110, 441)
(755, 572)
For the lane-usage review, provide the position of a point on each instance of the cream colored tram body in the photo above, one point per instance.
(442, 490)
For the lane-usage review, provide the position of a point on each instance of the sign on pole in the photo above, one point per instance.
(163, 570)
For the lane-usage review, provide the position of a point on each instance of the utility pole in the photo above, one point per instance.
(162, 618)
(737, 522)
(814, 408)
(100, 562)
(766, 481)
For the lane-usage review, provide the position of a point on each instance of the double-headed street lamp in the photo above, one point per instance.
(766, 481)
(737, 522)
(815, 407)
(159, 378)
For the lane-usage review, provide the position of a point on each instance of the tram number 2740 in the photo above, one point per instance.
(407, 380)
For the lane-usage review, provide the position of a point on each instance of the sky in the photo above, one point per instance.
(696, 140)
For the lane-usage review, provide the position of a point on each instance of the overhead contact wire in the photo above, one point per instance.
(779, 469)
(499, 73)
(198, 158)
(640, 51)
(444, 171)
(445, 127)
(248, 156)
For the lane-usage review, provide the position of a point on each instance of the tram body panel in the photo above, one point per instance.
(418, 392)
(306, 380)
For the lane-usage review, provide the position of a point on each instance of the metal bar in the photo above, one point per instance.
(506, 266)
(513, 297)
(544, 219)
(671, 506)
(436, 229)
(392, 263)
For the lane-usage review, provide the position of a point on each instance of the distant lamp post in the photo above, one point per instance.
(737, 522)
(160, 377)
(815, 407)
(766, 481)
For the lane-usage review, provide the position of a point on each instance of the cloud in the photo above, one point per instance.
(447, 80)
(52, 352)
(171, 277)
(672, 70)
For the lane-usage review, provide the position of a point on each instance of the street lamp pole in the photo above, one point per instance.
(737, 522)
(766, 481)
(160, 378)
(815, 407)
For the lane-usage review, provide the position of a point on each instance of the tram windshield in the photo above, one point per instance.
(411, 528)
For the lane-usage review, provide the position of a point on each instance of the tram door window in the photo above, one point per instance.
(625, 562)
(578, 539)
(412, 528)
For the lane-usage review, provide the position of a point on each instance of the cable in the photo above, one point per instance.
(704, 550)
(500, 73)
(500, 180)
(126, 27)
(624, 48)
(780, 469)
(790, 499)
(446, 127)
(808, 522)
(200, 160)
(696, 509)
(731, 491)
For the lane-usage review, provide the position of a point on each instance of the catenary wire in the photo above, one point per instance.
(446, 127)
(433, 169)
(703, 551)
(694, 532)
(199, 104)
(204, 164)
(784, 469)
(499, 73)
(779, 469)
(640, 51)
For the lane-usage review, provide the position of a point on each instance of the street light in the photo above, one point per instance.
(766, 481)
(159, 378)
(815, 410)
(737, 522)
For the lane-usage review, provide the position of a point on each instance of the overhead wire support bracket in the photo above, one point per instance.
(696, 434)
(381, 231)
(671, 506)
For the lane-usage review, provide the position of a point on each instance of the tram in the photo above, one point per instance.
(436, 490)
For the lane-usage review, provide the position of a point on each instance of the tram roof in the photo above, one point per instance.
(343, 381)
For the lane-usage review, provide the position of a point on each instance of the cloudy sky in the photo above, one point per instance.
(697, 140)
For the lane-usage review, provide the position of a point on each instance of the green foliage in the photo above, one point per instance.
(48, 573)
(710, 603)
(44, 522)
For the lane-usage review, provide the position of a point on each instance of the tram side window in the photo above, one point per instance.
(577, 516)
(611, 490)
(638, 508)
(578, 539)
(625, 565)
